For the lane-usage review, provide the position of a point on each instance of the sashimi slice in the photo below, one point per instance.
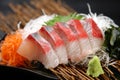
(94, 33)
(82, 36)
(71, 41)
(35, 47)
(35, 24)
(57, 43)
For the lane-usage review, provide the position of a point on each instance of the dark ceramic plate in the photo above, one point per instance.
(15, 73)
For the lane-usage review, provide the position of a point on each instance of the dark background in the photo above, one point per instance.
(107, 7)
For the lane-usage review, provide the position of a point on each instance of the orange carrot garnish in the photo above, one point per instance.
(9, 48)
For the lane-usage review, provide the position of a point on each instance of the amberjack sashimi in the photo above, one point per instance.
(57, 43)
(82, 36)
(35, 47)
(70, 40)
(94, 33)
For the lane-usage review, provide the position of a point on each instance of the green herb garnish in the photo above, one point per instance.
(112, 42)
(60, 18)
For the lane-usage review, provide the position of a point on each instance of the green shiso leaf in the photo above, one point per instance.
(60, 18)
(94, 67)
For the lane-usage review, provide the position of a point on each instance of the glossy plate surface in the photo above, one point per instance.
(15, 73)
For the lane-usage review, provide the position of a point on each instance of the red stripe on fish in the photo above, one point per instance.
(83, 38)
(41, 42)
(57, 43)
(71, 41)
(50, 35)
(67, 32)
(76, 24)
(35, 47)
(96, 32)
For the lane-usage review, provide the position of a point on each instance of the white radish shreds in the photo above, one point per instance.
(102, 21)
(18, 25)
(103, 56)
(35, 24)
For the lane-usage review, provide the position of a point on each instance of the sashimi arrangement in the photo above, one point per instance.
(75, 39)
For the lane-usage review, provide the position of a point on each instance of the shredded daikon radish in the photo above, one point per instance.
(103, 56)
(102, 21)
(35, 24)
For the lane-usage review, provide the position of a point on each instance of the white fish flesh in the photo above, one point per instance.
(35, 47)
(94, 33)
(71, 41)
(57, 43)
(82, 36)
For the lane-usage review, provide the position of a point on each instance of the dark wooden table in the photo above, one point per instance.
(107, 7)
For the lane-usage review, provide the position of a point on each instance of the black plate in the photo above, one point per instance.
(15, 73)
(2, 35)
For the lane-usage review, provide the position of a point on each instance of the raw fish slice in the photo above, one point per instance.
(82, 36)
(57, 43)
(71, 41)
(94, 33)
(34, 47)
